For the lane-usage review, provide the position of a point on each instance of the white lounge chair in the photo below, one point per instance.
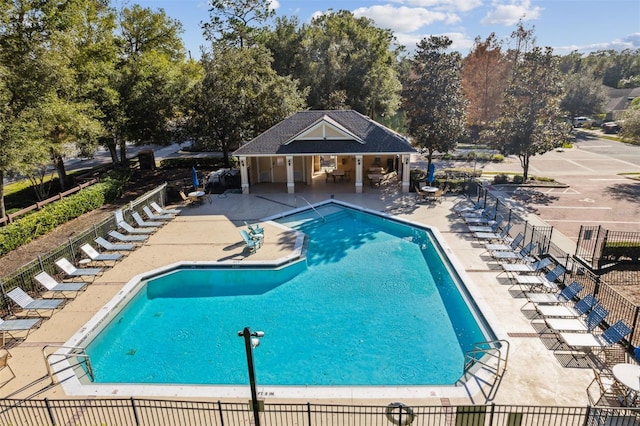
(160, 210)
(108, 245)
(513, 256)
(13, 327)
(55, 287)
(153, 216)
(95, 256)
(503, 236)
(30, 305)
(130, 229)
(127, 238)
(71, 271)
(144, 223)
(580, 308)
(546, 282)
(524, 268)
(550, 298)
(505, 247)
(586, 325)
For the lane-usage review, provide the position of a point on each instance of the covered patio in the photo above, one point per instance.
(342, 148)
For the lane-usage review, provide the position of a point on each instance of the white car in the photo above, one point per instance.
(581, 121)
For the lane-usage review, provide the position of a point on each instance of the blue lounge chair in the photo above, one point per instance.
(589, 341)
(503, 236)
(54, 287)
(30, 306)
(71, 271)
(578, 325)
(546, 282)
(513, 256)
(582, 307)
(526, 268)
(549, 298)
(251, 245)
(506, 247)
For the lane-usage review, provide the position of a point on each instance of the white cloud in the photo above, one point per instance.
(274, 4)
(511, 13)
(632, 42)
(405, 19)
(452, 5)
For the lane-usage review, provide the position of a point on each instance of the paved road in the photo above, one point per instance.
(598, 193)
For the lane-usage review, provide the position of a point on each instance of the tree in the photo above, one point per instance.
(484, 80)
(433, 99)
(232, 21)
(347, 62)
(148, 81)
(583, 95)
(631, 126)
(239, 97)
(531, 121)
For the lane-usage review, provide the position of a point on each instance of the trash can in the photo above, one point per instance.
(147, 160)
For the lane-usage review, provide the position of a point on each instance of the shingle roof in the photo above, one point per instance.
(279, 139)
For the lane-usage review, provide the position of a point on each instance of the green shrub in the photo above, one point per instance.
(500, 179)
(497, 158)
(518, 179)
(447, 156)
(29, 227)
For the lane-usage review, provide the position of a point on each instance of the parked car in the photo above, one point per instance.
(610, 127)
(581, 121)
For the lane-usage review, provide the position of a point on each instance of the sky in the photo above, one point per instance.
(566, 25)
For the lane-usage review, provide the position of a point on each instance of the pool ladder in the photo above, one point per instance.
(76, 353)
(310, 205)
(487, 359)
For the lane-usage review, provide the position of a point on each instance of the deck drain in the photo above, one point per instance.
(132, 351)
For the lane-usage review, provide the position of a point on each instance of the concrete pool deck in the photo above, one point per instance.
(211, 233)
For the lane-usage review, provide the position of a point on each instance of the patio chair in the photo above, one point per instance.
(546, 282)
(580, 308)
(4, 363)
(513, 256)
(128, 238)
(524, 268)
(604, 390)
(153, 216)
(251, 245)
(255, 230)
(155, 206)
(109, 246)
(186, 200)
(587, 342)
(54, 287)
(463, 207)
(18, 329)
(71, 271)
(30, 306)
(421, 195)
(327, 176)
(144, 223)
(95, 256)
(503, 236)
(513, 245)
(128, 228)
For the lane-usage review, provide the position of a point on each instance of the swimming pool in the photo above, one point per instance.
(375, 297)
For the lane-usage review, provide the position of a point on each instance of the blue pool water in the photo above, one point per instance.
(374, 304)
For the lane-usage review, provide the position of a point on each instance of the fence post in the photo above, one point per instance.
(50, 412)
(135, 412)
(73, 252)
(309, 413)
(220, 412)
(493, 407)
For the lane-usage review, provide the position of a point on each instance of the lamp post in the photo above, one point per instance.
(252, 340)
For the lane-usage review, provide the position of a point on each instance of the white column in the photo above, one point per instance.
(290, 184)
(358, 177)
(406, 159)
(244, 175)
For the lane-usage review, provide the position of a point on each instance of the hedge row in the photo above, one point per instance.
(55, 214)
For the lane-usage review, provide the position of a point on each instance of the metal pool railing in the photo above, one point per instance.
(149, 412)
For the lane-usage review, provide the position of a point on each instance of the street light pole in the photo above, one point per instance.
(251, 340)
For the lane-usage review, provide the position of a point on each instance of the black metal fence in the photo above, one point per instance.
(579, 265)
(599, 246)
(148, 412)
(23, 277)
